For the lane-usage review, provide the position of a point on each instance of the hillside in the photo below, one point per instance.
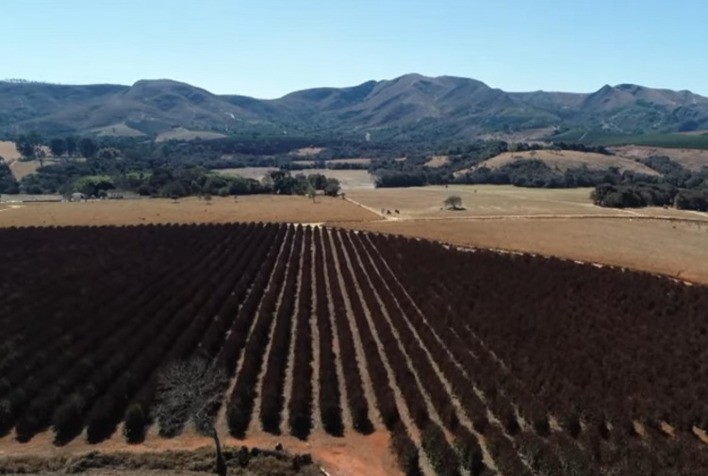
(569, 159)
(410, 107)
(689, 158)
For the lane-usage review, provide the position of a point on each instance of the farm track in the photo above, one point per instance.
(329, 335)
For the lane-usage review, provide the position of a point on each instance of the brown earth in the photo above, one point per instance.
(8, 150)
(265, 208)
(437, 161)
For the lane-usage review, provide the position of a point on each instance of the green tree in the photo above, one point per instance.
(88, 147)
(71, 145)
(332, 188)
(29, 145)
(58, 147)
(453, 202)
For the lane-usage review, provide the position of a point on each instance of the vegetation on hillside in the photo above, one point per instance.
(677, 187)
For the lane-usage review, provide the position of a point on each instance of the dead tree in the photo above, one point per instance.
(190, 391)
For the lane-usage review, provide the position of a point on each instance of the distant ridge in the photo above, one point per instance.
(410, 106)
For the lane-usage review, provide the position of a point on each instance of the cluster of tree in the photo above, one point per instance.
(535, 173)
(8, 184)
(281, 182)
(33, 146)
(677, 187)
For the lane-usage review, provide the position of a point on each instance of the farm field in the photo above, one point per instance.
(343, 342)
(553, 222)
(496, 201)
(266, 208)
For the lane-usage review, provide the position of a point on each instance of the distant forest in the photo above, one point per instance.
(93, 166)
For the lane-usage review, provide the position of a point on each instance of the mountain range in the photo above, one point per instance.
(407, 107)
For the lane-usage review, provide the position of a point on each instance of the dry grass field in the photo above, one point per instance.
(265, 208)
(561, 223)
(180, 133)
(679, 249)
(565, 159)
(117, 130)
(481, 201)
(437, 161)
(8, 151)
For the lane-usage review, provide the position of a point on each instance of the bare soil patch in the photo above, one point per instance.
(437, 161)
(8, 151)
(308, 151)
(264, 208)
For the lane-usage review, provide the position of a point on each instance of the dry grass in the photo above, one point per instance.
(437, 161)
(692, 159)
(561, 222)
(566, 159)
(679, 249)
(117, 130)
(358, 161)
(308, 151)
(482, 201)
(255, 173)
(265, 208)
(8, 151)
(180, 133)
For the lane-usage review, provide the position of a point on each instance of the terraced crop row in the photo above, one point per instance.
(474, 362)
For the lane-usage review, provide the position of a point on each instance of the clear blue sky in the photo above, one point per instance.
(266, 48)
